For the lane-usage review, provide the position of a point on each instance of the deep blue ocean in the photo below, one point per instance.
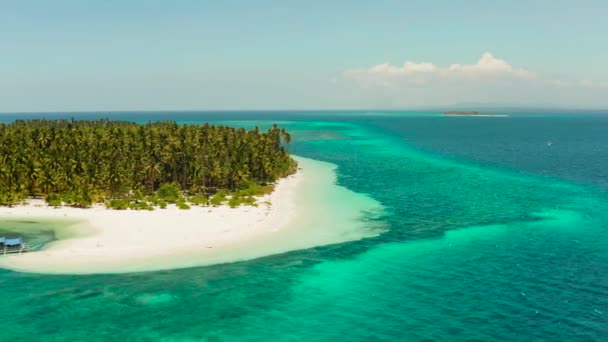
(497, 231)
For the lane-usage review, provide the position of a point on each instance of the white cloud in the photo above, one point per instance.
(408, 68)
(489, 80)
(487, 67)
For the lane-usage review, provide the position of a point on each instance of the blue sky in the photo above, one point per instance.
(236, 54)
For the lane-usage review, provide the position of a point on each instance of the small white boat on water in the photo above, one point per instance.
(14, 246)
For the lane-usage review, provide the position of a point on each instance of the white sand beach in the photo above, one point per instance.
(306, 209)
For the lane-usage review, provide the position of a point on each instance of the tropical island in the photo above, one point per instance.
(125, 165)
(132, 197)
(471, 113)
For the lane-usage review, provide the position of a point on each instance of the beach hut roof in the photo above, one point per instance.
(13, 242)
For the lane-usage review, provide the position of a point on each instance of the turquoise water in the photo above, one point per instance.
(497, 230)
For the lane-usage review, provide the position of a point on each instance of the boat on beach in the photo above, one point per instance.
(14, 246)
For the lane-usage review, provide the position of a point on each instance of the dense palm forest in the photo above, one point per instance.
(84, 162)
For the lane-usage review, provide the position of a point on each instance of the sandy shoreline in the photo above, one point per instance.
(113, 241)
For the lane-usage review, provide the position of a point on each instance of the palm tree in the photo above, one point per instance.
(87, 160)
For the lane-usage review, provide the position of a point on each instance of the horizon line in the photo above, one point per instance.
(517, 108)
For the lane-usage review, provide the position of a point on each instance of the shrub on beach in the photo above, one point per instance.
(198, 200)
(183, 205)
(249, 200)
(152, 200)
(169, 192)
(254, 189)
(137, 205)
(53, 200)
(80, 198)
(219, 198)
(234, 202)
(11, 198)
(118, 204)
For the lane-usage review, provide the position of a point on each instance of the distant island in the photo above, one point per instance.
(471, 113)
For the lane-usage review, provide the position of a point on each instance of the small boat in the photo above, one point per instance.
(14, 246)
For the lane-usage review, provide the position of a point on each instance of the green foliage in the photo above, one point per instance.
(85, 162)
(152, 200)
(254, 189)
(234, 202)
(80, 198)
(54, 200)
(138, 205)
(182, 205)
(249, 200)
(198, 200)
(10, 198)
(169, 192)
(219, 198)
(118, 204)
(162, 204)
